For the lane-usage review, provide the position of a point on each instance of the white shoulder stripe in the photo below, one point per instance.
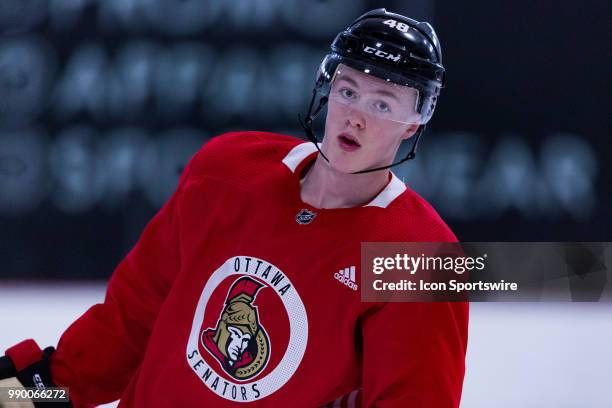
(297, 154)
(390, 193)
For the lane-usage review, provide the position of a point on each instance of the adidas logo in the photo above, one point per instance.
(347, 277)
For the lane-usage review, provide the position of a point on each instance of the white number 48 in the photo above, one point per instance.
(403, 27)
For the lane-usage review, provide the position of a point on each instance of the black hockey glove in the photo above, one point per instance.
(31, 367)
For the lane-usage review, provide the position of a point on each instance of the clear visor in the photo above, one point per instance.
(356, 90)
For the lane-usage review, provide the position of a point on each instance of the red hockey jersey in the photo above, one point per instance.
(233, 297)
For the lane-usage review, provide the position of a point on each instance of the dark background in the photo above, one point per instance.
(103, 101)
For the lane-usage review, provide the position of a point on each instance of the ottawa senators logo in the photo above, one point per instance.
(249, 331)
(238, 341)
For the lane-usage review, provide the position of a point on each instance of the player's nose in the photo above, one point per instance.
(355, 119)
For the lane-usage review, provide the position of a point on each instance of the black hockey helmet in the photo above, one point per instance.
(391, 47)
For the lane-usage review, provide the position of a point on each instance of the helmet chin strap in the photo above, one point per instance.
(411, 154)
(311, 115)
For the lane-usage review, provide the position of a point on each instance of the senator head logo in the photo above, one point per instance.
(239, 342)
(249, 331)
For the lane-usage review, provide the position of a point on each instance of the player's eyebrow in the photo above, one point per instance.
(349, 80)
(378, 91)
(387, 93)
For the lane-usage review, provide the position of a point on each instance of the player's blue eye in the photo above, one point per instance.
(382, 106)
(347, 93)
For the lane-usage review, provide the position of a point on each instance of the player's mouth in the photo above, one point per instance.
(348, 142)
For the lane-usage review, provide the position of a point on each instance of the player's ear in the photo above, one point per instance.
(410, 131)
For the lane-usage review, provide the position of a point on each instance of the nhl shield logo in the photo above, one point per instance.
(305, 216)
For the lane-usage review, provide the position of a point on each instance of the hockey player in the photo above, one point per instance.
(232, 295)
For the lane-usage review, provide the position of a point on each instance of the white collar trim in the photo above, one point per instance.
(297, 154)
(392, 190)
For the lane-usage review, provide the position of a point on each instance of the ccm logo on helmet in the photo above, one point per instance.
(381, 54)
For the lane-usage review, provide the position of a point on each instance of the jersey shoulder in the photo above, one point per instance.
(241, 153)
(413, 219)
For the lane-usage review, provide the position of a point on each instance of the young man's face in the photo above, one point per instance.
(367, 119)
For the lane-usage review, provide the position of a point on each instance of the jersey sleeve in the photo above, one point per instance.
(98, 354)
(414, 355)
(414, 352)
